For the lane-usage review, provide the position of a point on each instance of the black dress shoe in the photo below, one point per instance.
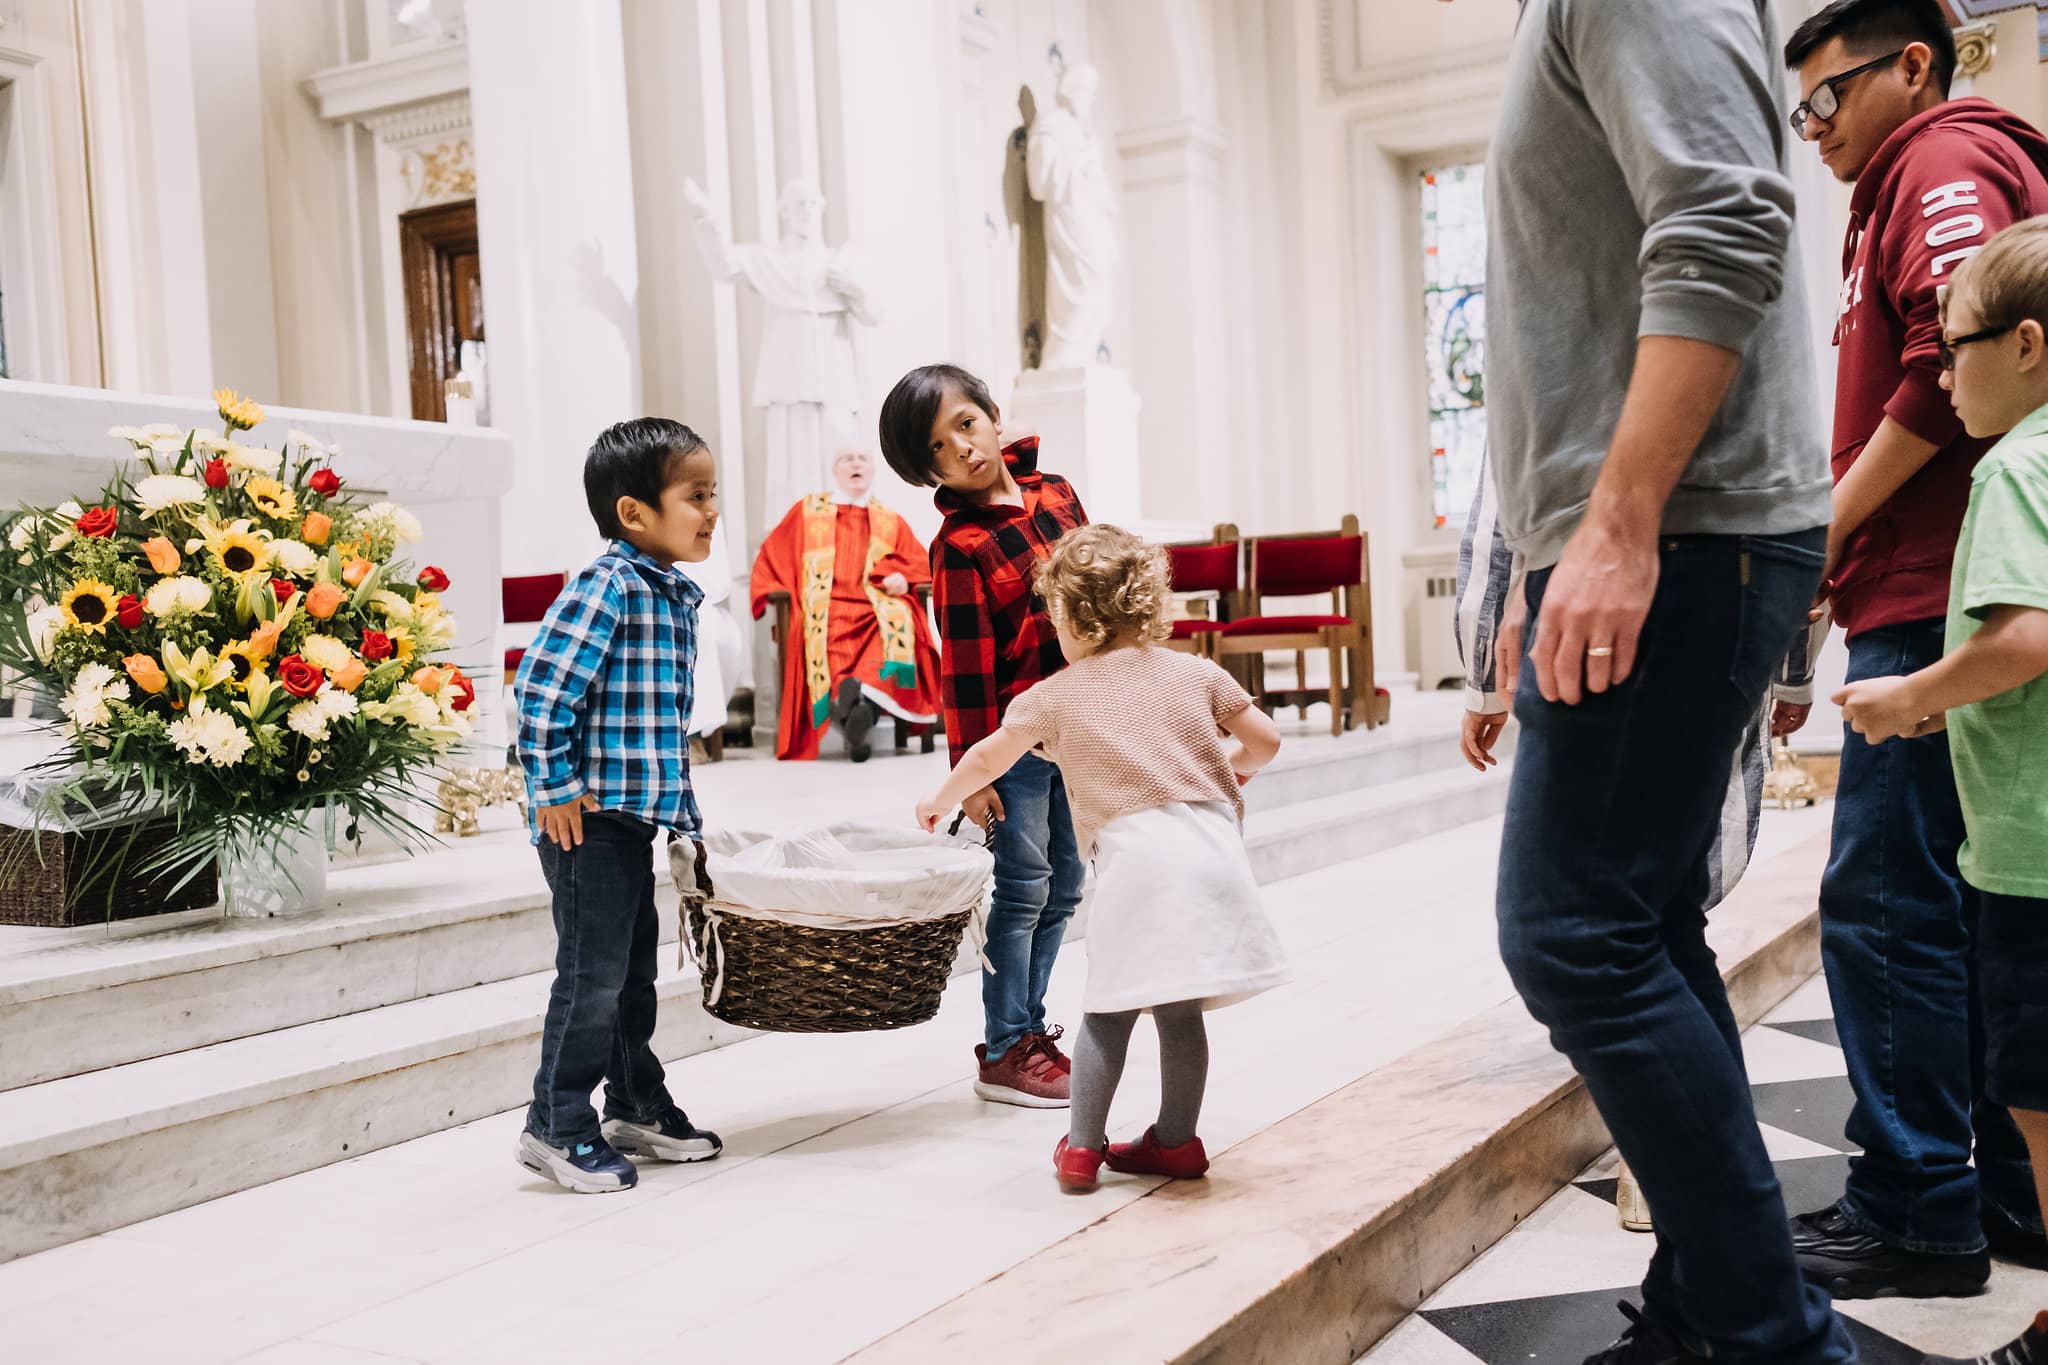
(1851, 1264)
(856, 717)
(2011, 1242)
(2030, 1349)
(1645, 1343)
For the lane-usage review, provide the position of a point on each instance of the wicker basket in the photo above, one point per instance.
(40, 877)
(793, 978)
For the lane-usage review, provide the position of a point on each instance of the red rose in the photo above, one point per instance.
(376, 645)
(433, 579)
(465, 692)
(298, 677)
(129, 611)
(216, 473)
(99, 523)
(282, 589)
(325, 482)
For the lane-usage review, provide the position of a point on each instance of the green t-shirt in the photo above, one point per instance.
(2000, 746)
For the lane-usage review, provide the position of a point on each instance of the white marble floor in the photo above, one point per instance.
(863, 1184)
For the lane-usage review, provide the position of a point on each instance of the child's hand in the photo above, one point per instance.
(1883, 708)
(564, 823)
(1244, 779)
(929, 813)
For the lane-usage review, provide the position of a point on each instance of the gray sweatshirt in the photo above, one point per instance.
(1636, 188)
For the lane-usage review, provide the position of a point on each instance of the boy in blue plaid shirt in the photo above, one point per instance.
(604, 725)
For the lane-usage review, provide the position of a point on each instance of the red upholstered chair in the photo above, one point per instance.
(526, 603)
(1212, 575)
(1306, 566)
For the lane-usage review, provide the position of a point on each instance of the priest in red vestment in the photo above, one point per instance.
(859, 642)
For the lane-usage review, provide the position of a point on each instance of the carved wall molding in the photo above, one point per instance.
(420, 122)
(1976, 47)
(438, 174)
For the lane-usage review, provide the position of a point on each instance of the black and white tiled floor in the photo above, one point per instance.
(1546, 1294)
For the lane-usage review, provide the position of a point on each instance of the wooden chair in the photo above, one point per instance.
(1213, 573)
(526, 601)
(1308, 565)
(905, 730)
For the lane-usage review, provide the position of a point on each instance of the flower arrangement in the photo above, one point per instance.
(235, 640)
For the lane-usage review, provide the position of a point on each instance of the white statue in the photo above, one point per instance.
(806, 374)
(1063, 166)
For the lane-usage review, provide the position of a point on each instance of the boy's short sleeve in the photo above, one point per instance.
(1226, 697)
(1034, 715)
(2008, 553)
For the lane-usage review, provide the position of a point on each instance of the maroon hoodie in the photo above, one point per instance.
(1937, 191)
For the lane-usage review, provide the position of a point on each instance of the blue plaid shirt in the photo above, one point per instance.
(605, 693)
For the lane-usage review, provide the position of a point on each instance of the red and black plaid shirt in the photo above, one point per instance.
(995, 639)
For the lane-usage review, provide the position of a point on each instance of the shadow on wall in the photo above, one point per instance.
(1027, 230)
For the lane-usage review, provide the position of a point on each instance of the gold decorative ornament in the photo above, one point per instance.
(465, 793)
(1788, 782)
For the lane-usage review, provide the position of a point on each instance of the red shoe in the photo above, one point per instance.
(1076, 1167)
(1025, 1075)
(1146, 1157)
(1049, 1044)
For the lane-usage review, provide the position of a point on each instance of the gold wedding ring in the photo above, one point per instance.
(1599, 651)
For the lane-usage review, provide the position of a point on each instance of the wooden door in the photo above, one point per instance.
(444, 298)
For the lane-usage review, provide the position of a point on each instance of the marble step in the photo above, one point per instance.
(1321, 769)
(1301, 838)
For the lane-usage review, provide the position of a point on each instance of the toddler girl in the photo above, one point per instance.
(1176, 925)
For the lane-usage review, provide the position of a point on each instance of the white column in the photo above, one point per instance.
(560, 258)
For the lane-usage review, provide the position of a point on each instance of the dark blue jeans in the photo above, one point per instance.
(600, 1024)
(1897, 921)
(1039, 879)
(1612, 810)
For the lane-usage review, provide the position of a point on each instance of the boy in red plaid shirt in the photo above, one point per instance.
(939, 426)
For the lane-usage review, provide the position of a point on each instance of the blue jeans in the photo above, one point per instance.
(1612, 810)
(1897, 921)
(600, 1024)
(1039, 878)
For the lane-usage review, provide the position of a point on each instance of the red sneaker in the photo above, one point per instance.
(1146, 1157)
(1024, 1075)
(1076, 1167)
(1049, 1044)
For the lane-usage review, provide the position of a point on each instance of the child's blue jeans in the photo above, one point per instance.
(600, 1023)
(1039, 879)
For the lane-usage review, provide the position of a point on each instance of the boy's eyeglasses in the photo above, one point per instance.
(1950, 345)
(1826, 100)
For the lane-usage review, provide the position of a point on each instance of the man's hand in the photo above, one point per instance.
(896, 585)
(982, 807)
(1594, 608)
(1884, 708)
(564, 823)
(1478, 736)
(1788, 716)
(1507, 646)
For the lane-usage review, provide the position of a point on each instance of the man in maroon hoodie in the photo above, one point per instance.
(1934, 180)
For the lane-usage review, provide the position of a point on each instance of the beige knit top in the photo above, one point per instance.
(1132, 730)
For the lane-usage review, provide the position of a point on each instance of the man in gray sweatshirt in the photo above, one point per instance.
(1651, 411)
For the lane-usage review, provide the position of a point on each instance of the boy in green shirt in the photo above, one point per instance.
(1990, 689)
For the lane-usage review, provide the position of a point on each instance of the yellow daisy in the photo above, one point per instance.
(238, 412)
(247, 662)
(89, 605)
(272, 498)
(240, 554)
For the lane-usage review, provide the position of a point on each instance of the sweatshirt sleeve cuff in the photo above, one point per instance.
(1920, 406)
(1699, 316)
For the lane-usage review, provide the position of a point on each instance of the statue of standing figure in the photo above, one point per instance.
(1063, 167)
(806, 373)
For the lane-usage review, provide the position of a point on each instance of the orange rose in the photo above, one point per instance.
(358, 569)
(324, 600)
(350, 675)
(316, 528)
(429, 679)
(144, 670)
(263, 639)
(163, 556)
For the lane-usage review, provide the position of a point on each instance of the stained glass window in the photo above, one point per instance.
(1454, 332)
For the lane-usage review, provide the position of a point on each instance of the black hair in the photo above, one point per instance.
(911, 408)
(636, 459)
(1871, 28)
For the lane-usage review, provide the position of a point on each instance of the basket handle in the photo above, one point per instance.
(988, 833)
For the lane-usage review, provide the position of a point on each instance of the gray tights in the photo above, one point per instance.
(1099, 1064)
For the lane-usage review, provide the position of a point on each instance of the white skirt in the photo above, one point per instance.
(1176, 915)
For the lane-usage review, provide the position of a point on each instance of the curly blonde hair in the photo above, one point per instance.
(1105, 584)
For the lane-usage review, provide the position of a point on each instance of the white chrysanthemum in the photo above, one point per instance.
(60, 526)
(325, 652)
(395, 608)
(407, 704)
(312, 445)
(171, 596)
(43, 625)
(91, 690)
(206, 443)
(208, 736)
(156, 429)
(19, 534)
(159, 491)
(308, 721)
(254, 459)
(135, 436)
(389, 519)
(335, 704)
(294, 558)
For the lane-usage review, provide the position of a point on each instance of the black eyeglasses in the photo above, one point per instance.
(1949, 345)
(1826, 100)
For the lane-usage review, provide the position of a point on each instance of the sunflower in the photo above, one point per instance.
(240, 554)
(272, 497)
(89, 605)
(402, 642)
(246, 660)
(238, 412)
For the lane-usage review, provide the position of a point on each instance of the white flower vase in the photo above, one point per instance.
(279, 871)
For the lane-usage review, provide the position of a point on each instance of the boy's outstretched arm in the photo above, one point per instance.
(979, 768)
(2009, 651)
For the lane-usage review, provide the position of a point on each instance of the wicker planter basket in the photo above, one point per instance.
(781, 977)
(40, 876)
